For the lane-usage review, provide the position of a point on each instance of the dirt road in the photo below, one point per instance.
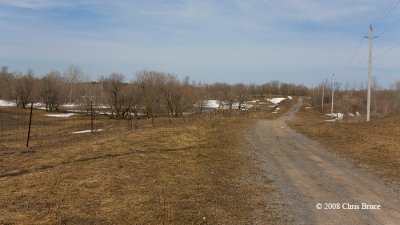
(309, 177)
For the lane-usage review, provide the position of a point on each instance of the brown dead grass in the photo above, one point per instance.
(192, 172)
(374, 146)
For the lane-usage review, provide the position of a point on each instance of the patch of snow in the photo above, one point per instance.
(6, 103)
(350, 114)
(335, 115)
(254, 101)
(276, 101)
(289, 97)
(86, 131)
(211, 104)
(276, 110)
(70, 105)
(246, 106)
(76, 110)
(39, 105)
(101, 107)
(215, 104)
(61, 115)
(357, 114)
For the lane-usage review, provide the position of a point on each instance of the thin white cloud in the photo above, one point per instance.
(37, 4)
(185, 36)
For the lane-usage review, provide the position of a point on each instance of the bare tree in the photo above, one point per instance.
(51, 90)
(150, 84)
(118, 94)
(24, 88)
(242, 93)
(275, 85)
(73, 77)
(187, 96)
(20, 88)
(5, 82)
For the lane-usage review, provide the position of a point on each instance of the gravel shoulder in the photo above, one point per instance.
(304, 174)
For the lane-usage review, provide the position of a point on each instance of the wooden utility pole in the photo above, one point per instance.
(369, 73)
(333, 93)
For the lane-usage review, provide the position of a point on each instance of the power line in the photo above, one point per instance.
(390, 27)
(360, 63)
(386, 12)
(387, 50)
(353, 56)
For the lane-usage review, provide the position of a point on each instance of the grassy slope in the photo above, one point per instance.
(188, 173)
(375, 145)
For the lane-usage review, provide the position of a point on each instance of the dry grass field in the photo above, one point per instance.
(374, 145)
(188, 172)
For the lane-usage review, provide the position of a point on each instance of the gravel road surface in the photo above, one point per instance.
(315, 186)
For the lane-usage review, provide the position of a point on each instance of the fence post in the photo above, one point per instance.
(29, 129)
(91, 116)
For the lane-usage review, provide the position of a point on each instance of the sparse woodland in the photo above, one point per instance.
(153, 93)
(352, 98)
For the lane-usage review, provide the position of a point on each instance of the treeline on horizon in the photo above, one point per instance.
(150, 91)
(153, 92)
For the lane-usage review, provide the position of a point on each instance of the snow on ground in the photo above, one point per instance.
(275, 101)
(212, 104)
(235, 105)
(39, 105)
(101, 107)
(215, 104)
(276, 110)
(70, 105)
(6, 103)
(254, 101)
(246, 106)
(61, 115)
(86, 131)
(289, 97)
(335, 115)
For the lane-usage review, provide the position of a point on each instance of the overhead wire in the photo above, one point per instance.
(389, 27)
(387, 50)
(360, 65)
(382, 16)
(386, 12)
(353, 56)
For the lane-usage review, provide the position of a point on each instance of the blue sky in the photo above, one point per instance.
(251, 41)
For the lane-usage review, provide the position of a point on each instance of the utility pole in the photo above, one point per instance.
(371, 37)
(323, 95)
(333, 92)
